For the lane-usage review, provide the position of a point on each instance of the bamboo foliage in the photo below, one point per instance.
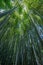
(21, 33)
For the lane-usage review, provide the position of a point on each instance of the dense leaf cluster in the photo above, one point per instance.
(21, 32)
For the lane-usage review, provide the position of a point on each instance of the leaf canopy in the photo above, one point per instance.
(21, 32)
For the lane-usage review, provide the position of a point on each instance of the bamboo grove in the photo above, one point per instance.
(21, 32)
